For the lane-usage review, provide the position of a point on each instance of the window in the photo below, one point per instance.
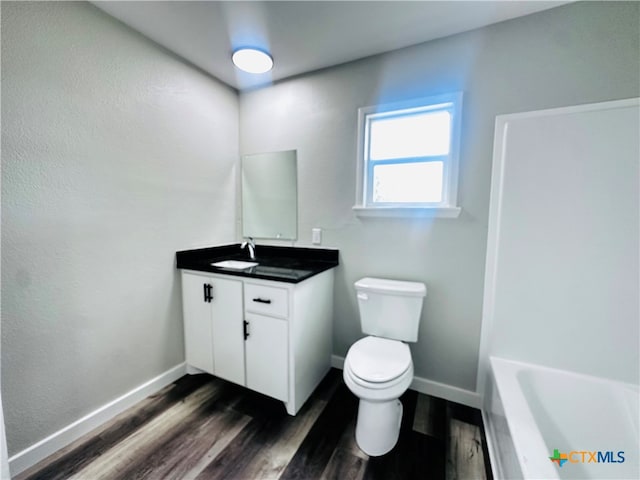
(408, 157)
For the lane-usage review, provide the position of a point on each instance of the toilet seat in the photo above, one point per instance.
(375, 362)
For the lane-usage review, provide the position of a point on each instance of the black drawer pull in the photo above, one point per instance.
(261, 300)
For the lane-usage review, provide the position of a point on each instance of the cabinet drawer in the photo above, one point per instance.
(267, 300)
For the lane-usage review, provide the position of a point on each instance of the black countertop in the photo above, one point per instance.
(282, 264)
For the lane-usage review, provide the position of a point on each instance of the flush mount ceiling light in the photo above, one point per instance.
(252, 60)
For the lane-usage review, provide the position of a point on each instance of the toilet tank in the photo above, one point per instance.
(390, 308)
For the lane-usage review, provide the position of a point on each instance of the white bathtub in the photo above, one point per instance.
(530, 411)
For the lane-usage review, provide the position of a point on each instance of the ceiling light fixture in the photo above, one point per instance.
(252, 60)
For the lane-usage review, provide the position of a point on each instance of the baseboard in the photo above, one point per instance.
(433, 388)
(337, 362)
(63, 437)
(448, 392)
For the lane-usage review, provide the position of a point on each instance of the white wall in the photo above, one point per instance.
(563, 274)
(579, 53)
(115, 154)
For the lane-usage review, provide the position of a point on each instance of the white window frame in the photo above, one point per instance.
(448, 207)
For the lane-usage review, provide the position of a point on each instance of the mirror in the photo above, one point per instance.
(270, 195)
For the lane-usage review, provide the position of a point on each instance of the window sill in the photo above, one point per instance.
(422, 212)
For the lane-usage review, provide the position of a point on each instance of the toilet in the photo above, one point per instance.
(378, 368)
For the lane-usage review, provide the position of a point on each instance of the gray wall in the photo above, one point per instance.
(580, 53)
(115, 154)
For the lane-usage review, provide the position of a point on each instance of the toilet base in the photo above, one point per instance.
(378, 426)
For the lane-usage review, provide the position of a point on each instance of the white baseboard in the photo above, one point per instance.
(448, 392)
(433, 388)
(189, 370)
(63, 437)
(337, 362)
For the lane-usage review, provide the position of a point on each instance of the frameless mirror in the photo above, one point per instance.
(270, 195)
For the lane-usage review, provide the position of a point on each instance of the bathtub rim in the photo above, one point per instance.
(490, 436)
(519, 417)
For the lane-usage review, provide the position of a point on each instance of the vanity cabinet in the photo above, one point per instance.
(272, 337)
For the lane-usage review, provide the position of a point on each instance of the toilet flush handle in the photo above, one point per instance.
(363, 296)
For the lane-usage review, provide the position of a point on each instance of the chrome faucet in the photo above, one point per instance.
(251, 246)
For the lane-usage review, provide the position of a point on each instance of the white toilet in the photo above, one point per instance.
(378, 368)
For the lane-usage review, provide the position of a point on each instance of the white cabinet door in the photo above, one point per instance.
(228, 337)
(266, 354)
(197, 321)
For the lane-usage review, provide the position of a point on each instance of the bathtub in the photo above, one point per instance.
(530, 411)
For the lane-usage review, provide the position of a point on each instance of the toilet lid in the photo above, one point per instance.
(375, 359)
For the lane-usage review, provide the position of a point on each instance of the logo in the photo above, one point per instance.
(584, 456)
(559, 458)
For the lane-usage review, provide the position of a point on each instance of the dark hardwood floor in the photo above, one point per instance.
(202, 427)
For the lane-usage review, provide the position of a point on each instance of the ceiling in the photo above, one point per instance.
(303, 36)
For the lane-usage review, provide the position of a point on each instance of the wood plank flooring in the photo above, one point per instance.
(204, 428)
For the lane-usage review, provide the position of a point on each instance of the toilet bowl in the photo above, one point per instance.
(378, 368)
(378, 371)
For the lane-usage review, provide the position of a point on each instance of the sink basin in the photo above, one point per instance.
(281, 272)
(234, 264)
